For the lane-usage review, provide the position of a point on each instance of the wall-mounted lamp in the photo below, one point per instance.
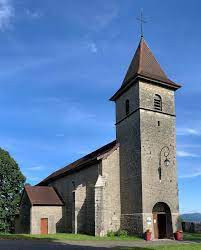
(165, 151)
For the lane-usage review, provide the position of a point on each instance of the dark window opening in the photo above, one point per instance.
(73, 185)
(158, 103)
(100, 171)
(127, 107)
(159, 123)
(159, 173)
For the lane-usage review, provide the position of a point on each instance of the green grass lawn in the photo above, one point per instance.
(195, 238)
(67, 237)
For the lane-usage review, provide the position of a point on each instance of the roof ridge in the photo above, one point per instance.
(87, 159)
(140, 59)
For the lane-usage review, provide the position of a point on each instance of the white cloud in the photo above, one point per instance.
(33, 14)
(70, 111)
(33, 179)
(103, 15)
(188, 145)
(186, 154)
(60, 135)
(188, 131)
(52, 100)
(35, 168)
(25, 65)
(6, 14)
(92, 47)
(108, 14)
(191, 175)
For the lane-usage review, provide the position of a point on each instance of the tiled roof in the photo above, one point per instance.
(145, 65)
(85, 161)
(42, 195)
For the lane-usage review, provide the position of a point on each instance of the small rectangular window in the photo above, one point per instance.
(159, 123)
(127, 107)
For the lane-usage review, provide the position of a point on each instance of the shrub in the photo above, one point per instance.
(122, 233)
(110, 234)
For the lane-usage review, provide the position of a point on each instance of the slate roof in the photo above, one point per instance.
(144, 65)
(85, 161)
(42, 195)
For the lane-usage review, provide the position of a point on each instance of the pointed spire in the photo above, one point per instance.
(144, 65)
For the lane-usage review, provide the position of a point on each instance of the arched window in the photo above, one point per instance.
(158, 102)
(127, 107)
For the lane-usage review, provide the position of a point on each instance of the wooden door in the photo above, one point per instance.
(44, 226)
(155, 221)
(162, 226)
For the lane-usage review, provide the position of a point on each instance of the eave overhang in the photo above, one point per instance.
(161, 82)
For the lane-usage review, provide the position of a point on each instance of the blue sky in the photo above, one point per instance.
(61, 61)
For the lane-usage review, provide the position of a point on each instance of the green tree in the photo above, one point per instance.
(11, 184)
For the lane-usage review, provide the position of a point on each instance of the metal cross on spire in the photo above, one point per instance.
(142, 21)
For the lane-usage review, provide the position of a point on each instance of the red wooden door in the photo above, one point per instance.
(44, 226)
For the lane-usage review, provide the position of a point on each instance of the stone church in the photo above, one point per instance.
(129, 184)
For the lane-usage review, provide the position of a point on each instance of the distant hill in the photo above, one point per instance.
(194, 217)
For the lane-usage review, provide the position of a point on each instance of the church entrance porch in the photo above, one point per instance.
(162, 221)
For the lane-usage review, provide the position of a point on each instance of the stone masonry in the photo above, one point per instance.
(52, 213)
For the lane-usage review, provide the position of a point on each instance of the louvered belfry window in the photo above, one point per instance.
(158, 103)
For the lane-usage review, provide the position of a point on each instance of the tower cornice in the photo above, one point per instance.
(165, 84)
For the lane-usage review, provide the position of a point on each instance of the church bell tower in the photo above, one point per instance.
(145, 130)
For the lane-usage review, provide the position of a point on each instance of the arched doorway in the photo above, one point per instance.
(162, 221)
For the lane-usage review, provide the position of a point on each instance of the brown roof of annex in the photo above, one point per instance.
(42, 195)
(83, 162)
(144, 66)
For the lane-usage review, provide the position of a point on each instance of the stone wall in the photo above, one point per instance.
(158, 133)
(82, 196)
(142, 135)
(77, 192)
(107, 195)
(112, 204)
(79, 212)
(99, 207)
(52, 213)
(128, 135)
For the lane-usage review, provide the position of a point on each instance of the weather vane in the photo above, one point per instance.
(142, 21)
